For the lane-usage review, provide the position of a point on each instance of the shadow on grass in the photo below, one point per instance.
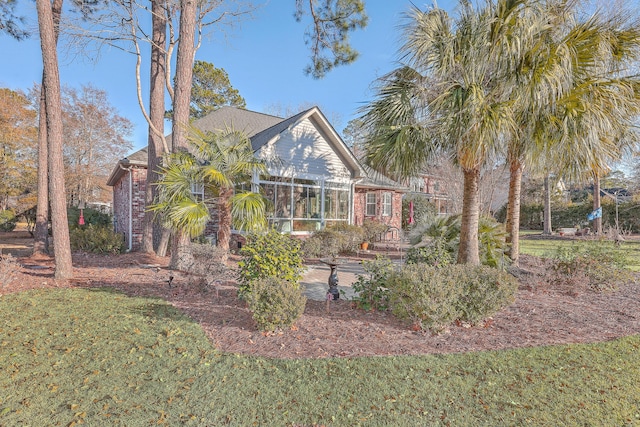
(156, 307)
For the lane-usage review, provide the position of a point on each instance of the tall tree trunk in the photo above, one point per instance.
(468, 252)
(547, 207)
(184, 74)
(156, 116)
(181, 101)
(224, 219)
(513, 210)
(60, 226)
(41, 230)
(597, 222)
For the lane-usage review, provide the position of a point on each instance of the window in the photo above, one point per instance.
(387, 202)
(371, 204)
(197, 189)
(303, 206)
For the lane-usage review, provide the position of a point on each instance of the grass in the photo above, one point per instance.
(98, 357)
(546, 247)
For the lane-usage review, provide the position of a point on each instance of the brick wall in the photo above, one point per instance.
(122, 203)
(360, 208)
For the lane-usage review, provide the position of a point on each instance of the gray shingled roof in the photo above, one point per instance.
(262, 128)
(249, 122)
(374, 179)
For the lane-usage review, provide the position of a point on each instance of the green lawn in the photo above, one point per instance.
(98, 357)
(546, 247)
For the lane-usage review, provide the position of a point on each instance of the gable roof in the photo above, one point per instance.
(249, 122)
(264, 128)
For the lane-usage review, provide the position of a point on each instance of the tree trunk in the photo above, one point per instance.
(597, 222)
(224, 219)
(165, 237)
(184, 74)
(181, 258)
(156, 116)
(41, 230)
(468, 250)
(547, 207)
(181, 101)
(53, 108)
(513, 210)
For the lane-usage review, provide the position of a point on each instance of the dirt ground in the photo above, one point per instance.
(542, 314)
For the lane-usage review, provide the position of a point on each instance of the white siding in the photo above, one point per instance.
(303, 152)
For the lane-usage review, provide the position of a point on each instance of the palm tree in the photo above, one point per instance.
(448, 96)
(594, 119)
(216, 163)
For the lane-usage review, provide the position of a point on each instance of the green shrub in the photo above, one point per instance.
(424, 211)
(373, 230)
(91, 217)
(432, 298)
(371, 292)
(443, 235)
(208, 262)
(485, 291)
(96, 239)
(598, 265)
(435, 253)
(275, 303)
(312, 247)
(492, 242)
(424, 295)
(8, 220)
(338, 239)
(269, 254)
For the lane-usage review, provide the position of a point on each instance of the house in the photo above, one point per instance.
(430, 186)
(314, 179)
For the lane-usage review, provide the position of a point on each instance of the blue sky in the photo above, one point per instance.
(264, 57)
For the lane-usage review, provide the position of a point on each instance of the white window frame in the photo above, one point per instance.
(387, 204)
(197, 190)
(370, 204)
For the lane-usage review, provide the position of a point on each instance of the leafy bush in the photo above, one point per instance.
(96, 239)
(442, 235)
(424, 295)
(8, 220)
(445, 228)
(371, 289)
(492, 242)
(485, 291)
(313, 247)
(596, 265)
(435, 253)
(269, 254)
(372, 230)
(334, 240)
(207, 261)
(275, 303)
(432, 298)
(424, 211)
(91, 217)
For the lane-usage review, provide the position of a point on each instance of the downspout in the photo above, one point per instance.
(130, 205)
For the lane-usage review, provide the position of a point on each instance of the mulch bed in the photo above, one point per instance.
(542, 314)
